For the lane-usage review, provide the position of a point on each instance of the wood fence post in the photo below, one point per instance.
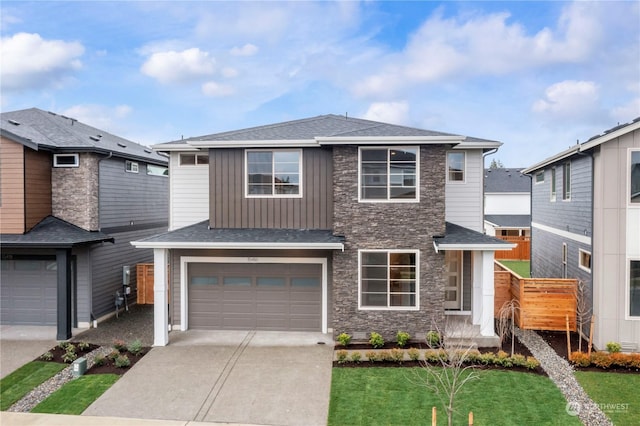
(470, 418)
(434, 419)
(568, 338)
(593, 319)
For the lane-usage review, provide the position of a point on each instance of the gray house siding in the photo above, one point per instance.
(229, 208)
(83, 289)
(388, 226)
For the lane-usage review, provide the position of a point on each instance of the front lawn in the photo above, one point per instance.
(19, 383)
(616, 394)
(389, 396)
(75, 396)
(520, 267)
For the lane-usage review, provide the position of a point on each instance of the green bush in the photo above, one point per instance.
(47, 356)
(433, 339)
(122, 361)
(473, 356)
(396, 355)
(434, 355)
(613, 347)
(69, 356)
(341, 356)
(519, 360)
(402, 337)
(135, 347)
(532, 363)
(376, 340)
(119, 345)
(63, 345)
(113, 355)
(344, 339)
(356, 356)
(373, 356)
(83, 346)
(487, 358)
(99, 360)
(414, 354)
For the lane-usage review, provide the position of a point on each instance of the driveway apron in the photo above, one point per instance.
(244, 382)
(16, 353)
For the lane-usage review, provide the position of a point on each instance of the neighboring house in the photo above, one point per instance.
(585, 224)
(72, 197)
(507, 203)
(328, 224)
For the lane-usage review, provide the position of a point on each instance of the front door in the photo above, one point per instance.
(453, 262)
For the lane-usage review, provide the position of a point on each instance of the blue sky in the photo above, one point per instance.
(537, 76)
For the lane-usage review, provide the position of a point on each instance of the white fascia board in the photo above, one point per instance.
(388, 140)
(173, 147)
(609, 136)
(473, 247)
(478, 145)
(236, 245)
(561, 156)
(279, 143)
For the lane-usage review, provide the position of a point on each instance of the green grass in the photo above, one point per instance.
(75, 396)
(520, 267)
(17, 384)
(391, 396)
(616, 393)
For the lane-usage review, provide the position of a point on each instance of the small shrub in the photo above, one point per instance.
(435, 355)
(396, 355)
(614, 347)
(372, 356)
(83, 346)
(519, 360)
(63, 345)
(433, 339)
(47, 356)
(634, 360)
(501, 358)
(135, 347)
(385, 356)
(344, 339)
(122, 361)
(601, 359)
(402, 338)
(99, 360)
(119, 345)
(473, 356)
(532, 363)
(376, 340)
(113, 354)
(414, 354)
(356, 356)
(341, 356)
(487, 358)
(69, 356)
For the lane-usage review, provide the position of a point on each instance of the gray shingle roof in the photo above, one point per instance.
(459, 235)
(47, 130)
(321, 126)
(201, 233)
(54, 233)
(506, 180)
(509, 220)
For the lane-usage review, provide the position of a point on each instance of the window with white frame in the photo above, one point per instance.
(566, 181)
(154, 170)
(131, 166)
(553, 184)
(540, 177)
(389, 279)
(455, 166)
(634, 288)
(274, 173)
(634, 178)
(194, 159)
(66, 160)
(584, 260)
(388, 174)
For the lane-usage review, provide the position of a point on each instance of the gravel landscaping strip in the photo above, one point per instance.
(40, 393)
(561, 373)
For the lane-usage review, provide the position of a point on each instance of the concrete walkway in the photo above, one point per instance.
(266, 378)
(29, 419)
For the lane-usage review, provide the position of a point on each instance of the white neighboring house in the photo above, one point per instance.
(507, 203)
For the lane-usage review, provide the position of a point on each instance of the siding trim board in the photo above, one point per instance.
(565, 234)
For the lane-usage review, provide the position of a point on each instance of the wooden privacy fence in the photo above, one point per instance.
(520, 252)
(544, 302)
(144, 275)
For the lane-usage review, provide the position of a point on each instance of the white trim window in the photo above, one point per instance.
(566, 181)
(273, 173)
(540, 177)
(155, 170)
(584, 260)
(456, 166)
(634, 177)
(131, 166)
(66, 160)
(633, 289)
(388, 174)
(388, 279)
(194, 159)
(553, 184)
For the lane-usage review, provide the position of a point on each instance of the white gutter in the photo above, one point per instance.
(608, 136)
(237, 245)
(388, 140)
(279, 143)
(561, 156)
(485, 247)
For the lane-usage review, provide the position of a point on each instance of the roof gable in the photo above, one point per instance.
(506, 180)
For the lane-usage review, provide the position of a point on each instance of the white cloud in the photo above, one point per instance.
(31, 62)
(388, 112)
(213, 89)
(229, 72)
(568, 100)
(627, 112)
(100, 116)
(246, 50)
(179, 67)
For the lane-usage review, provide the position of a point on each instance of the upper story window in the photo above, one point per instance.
(388, 174)
(634, 178)
(584, 261)
(154, 170)
(389, 279)
(566, 181)
(131, 166)
(66, 160)
(194, 159)
(540, 177)
(274, 173)
(553, 184)
(455, 166)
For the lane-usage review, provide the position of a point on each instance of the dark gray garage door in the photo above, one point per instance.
(28, 292)
(224, 296)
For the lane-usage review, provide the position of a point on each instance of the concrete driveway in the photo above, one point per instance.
(265, 378)
(22, 344)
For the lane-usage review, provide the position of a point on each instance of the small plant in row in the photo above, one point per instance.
(376, 340)
(606, 360)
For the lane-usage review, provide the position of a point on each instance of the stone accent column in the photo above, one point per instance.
(74, 192)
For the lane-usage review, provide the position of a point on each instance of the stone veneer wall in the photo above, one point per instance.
(388, 226)
(74, 193)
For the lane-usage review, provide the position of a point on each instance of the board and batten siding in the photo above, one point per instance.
(463, 200)
(230, 208)
(83, 286)
(12, 218)
(131, 198)
(37, 180)
(189, 193)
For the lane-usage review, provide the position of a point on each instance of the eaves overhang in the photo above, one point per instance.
(389, 140)
(478, 247)
(237, 245)
(279, 143)
(558, 157)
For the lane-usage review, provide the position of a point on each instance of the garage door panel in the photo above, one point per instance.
(28, 292)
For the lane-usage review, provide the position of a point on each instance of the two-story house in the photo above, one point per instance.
(507, 202)
(328, 224)
(72, 197)
(585, 224)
